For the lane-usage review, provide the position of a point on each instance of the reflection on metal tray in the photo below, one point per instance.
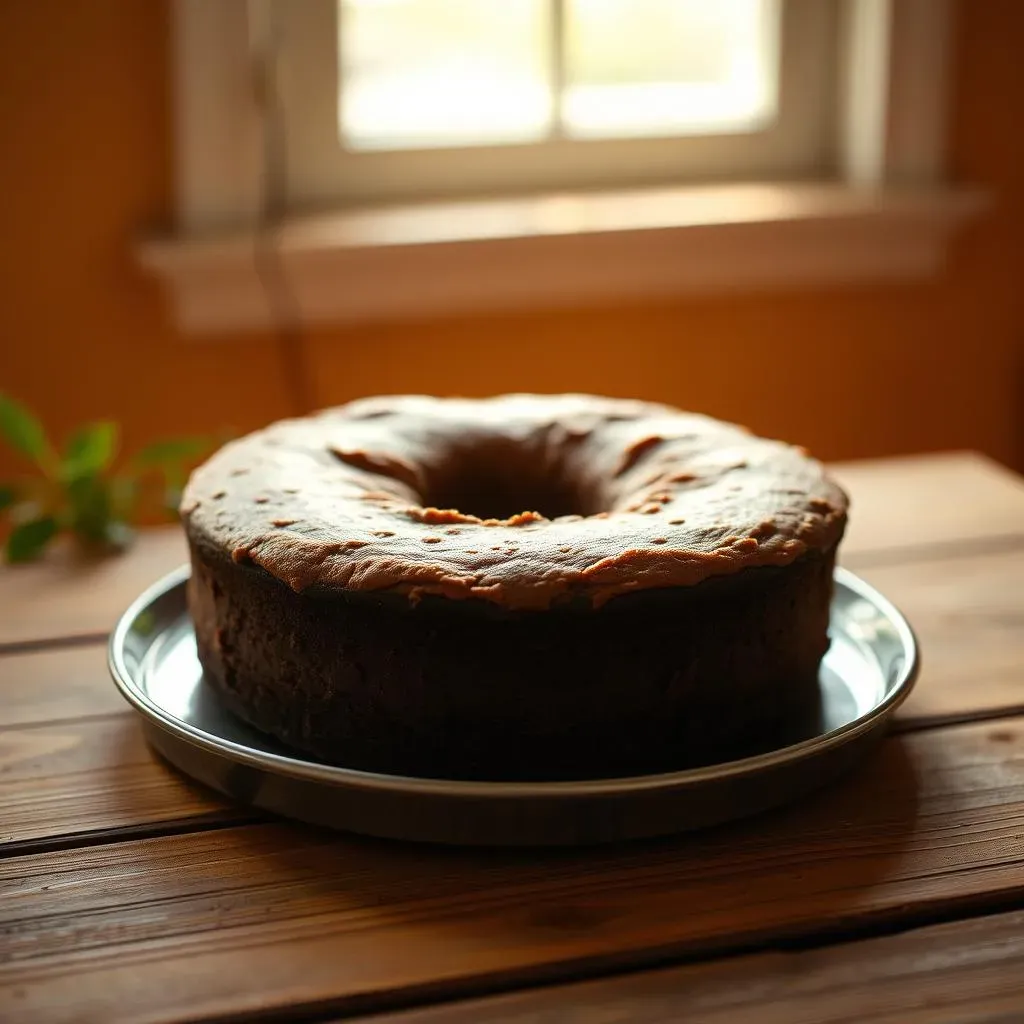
(866, 674)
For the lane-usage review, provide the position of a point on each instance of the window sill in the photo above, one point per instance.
(558, 250)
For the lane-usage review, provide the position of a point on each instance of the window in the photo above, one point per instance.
(410, 157)
(431, 73)
(409, 99)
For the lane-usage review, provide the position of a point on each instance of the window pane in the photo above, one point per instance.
(420, 73)
(657, 67)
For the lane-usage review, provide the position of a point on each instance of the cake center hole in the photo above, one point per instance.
(500, 489)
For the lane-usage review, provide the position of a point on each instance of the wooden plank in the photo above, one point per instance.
(67, 596)
(56, 685)
(964, 970)
(954, 499)
(71, 779)
(950, 499)
(968, 614)
(254, 920)
(73, 763)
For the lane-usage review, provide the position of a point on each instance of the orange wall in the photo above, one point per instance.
(85, 110)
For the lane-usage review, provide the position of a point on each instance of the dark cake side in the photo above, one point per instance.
(654, 681)
(518, 587)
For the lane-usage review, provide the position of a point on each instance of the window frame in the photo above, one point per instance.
(322, 174)
(882, 210)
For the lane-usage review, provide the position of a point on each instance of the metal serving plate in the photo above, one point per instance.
(866, 674)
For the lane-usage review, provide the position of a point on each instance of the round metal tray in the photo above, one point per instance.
(867, 672)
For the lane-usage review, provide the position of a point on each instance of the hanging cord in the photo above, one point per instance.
(282, 303)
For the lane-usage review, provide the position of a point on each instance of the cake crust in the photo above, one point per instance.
(379, 495)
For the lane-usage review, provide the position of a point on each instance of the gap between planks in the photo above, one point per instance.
(55, 643)
(883, 974)
(210, 822)
(268, 919)
(74, 763)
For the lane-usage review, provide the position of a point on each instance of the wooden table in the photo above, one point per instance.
(126, 893)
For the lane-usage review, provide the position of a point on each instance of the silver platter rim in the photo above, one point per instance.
(331, 775)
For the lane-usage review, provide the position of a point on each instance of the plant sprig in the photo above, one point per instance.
(77, 490)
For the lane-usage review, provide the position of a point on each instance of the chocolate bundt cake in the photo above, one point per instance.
(521, 587)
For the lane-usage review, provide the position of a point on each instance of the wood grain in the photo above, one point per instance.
(67, 596)
(968, 614)
(72, 779)
(964, 970)
(263, 918)
(76, 776)
(57, 685)
(953, 499)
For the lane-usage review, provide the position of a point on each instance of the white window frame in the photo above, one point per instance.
(884, 210)
(322, 174)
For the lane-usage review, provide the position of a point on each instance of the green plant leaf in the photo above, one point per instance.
(90, 450)
(124, 492)
(27, 540)
(171, 451)
(7, 496)
(24, 433)
(89, 501)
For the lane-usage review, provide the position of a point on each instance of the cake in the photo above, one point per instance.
(519, 587)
